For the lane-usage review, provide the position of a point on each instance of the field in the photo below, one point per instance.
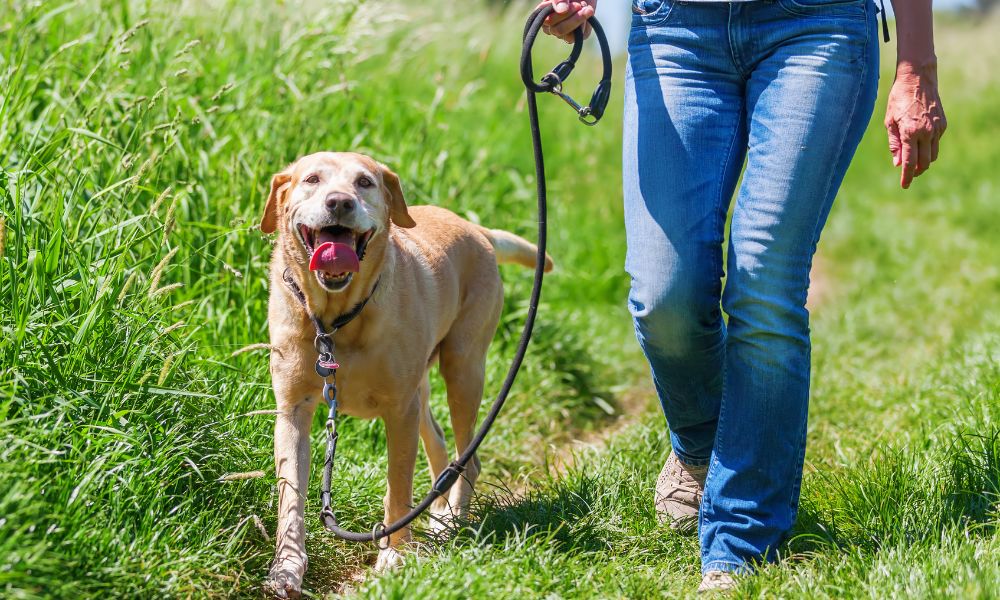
(136, 143)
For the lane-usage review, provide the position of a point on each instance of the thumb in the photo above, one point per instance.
(895, 145)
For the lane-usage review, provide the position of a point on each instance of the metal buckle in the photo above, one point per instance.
(323, 343)
(583, 112)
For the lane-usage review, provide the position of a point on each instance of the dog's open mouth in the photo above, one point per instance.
(335, 253)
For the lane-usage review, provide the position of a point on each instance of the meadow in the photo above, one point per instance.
(137, 140)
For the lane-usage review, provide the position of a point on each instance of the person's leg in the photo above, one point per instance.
(684, 141)
(811, 89)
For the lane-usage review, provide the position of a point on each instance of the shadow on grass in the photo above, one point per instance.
(561, 515)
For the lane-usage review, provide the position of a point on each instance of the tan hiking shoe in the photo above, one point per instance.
(716, 581)
(678, 494)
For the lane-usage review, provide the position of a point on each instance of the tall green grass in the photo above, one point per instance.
(136, 142)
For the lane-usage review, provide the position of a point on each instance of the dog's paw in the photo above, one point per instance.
(388, 558)
(442, 519)
(285, 578)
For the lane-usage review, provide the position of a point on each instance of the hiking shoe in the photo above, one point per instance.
(678, 494)
(717, 581)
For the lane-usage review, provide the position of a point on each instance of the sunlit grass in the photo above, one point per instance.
(136, 142)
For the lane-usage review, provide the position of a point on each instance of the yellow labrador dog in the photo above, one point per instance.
(346, 235)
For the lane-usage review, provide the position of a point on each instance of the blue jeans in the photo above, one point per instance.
(789, 87)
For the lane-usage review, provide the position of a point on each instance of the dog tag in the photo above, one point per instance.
(326, 366)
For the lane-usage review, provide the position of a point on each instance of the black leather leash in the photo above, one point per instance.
(326, 364)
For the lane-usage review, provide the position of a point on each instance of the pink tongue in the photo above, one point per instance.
(335, 258)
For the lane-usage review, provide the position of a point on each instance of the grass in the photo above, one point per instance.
(136, 142)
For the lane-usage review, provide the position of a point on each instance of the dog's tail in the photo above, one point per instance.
(511, 248)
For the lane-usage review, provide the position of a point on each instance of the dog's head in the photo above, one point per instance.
(328, 207)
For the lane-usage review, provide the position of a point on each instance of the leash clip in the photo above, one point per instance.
(556, 89)
(330, 396)
(589, 115)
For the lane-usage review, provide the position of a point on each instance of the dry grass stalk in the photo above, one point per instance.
(250, 348)
(242, 476)
(154, 277)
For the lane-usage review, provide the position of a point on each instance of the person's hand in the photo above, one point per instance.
(568, 16)
(915, 120)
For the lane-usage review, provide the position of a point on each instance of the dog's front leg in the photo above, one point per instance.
(291, 461)
(401, 433)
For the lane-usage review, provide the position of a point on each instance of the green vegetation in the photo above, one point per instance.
(136, 142)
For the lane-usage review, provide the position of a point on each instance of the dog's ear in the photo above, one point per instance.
(280, 183)
(397, 203)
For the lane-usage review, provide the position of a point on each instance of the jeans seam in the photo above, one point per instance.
(733, 50)
(801, 11)
(817, 229)
(720, 222)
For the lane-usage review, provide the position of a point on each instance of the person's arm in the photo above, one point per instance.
(568, 15)
(914, 117)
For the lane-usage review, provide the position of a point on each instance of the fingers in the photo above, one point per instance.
(560, 6)
(940, 124)
(895, 145)
(567, 17)
(915, 122)
(573, 20)
(908, 156)
(923, 156)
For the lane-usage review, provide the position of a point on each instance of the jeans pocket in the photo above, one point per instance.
(824, 8)
(650, 12)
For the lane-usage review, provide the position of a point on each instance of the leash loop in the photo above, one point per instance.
(551, 83)
(330, 396)
(553, 80)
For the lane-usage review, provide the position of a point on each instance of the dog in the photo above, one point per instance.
(429, 291)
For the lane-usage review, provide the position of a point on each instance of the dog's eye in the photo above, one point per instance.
(312, 178)
(364, 182)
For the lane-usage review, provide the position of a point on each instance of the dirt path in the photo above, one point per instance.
(631, 406)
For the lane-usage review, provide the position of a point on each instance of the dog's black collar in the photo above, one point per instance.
(326, 364)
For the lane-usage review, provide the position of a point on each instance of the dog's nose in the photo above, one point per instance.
(339, 203)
